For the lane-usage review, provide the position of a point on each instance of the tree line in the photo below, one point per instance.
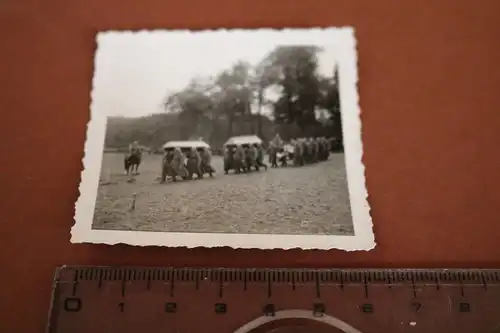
(306, 104)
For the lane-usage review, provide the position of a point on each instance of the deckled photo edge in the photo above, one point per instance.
(354, 149)
(364, 239)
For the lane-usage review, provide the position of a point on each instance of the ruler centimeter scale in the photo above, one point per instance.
(191, 300)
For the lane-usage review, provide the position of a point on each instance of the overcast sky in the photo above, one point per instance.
(134, 71)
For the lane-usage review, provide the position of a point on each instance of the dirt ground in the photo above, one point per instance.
(312, 199)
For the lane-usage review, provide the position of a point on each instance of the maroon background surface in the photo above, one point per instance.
(429, 92)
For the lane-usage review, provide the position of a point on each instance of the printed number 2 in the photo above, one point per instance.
(72, 304)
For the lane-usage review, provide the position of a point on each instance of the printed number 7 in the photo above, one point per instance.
(416, 306)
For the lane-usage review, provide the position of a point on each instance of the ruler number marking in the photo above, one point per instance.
(121, 306)
(220, 308)
(464, 307)
(72, 304)
(269, 310)
(319, 309)
(367, 308)
(170, 307)
(416, 306)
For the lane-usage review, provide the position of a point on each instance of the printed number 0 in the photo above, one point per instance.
(72, 304)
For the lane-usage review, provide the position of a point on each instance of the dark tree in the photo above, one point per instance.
(219, 107)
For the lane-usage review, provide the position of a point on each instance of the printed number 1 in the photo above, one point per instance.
(121, 306)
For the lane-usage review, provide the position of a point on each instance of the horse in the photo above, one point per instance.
(131, 164)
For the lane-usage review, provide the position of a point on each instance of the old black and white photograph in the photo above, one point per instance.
(240, 138)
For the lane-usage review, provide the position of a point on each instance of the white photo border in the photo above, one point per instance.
(347, 63)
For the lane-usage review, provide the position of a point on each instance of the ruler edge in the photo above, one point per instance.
(250, 269)
(52, 314)
(56, 279)
(483, 272)
(57, 274)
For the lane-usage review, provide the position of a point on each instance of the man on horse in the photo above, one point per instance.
(133, 159)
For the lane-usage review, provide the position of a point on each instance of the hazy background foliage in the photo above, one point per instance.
(236, 102)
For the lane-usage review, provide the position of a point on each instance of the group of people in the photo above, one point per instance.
(299, 151)
(241, 158)
(177, 164)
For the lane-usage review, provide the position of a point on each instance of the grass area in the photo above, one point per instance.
(307, 200)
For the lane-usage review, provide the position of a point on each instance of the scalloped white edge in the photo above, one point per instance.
(344, 40)
(295, 314)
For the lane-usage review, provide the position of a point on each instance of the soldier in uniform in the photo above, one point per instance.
(178, 165)
(251, 158)
(273, 155)
(166, 166)
(297, 153)
(327, 148)
(194, 164)
(228, 159)
(317, 152)
(206, 162)
(239, 159)
(310, 149)
(305, 150)
(324, 148)
(260, 156)
(133, 158)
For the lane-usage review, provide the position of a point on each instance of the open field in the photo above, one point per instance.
(307, 200)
